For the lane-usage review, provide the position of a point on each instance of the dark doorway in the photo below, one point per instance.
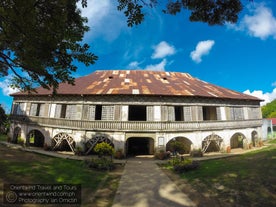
(139, 146)
(35, 138)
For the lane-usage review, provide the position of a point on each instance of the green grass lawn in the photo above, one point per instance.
(29, 168)
(244, 180)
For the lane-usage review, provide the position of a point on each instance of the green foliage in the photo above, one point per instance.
(178, 146)
(100, 164)
(269, 110)
(104, 148)
(3, 120)
(42, 39)
(181, 165)
(209, 11)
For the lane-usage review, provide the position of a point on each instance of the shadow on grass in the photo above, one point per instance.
(244, 180)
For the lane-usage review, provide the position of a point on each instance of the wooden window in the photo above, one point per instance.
(108, 112)
(187, 113)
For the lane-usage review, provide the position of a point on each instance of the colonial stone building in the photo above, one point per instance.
(138, 112)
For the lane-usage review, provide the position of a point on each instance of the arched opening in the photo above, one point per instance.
(212, 143)
(182, 145)
(139, 146)
(35, 138)
(254, 138)
(16, 135)
(236, 140)
(63, 142)
(98, 138)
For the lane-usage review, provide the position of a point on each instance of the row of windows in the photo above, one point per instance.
(137, 112)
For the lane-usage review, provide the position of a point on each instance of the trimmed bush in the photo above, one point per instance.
(104, 148)
(185, 165)
(100, 163)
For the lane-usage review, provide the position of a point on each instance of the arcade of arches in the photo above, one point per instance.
(136, 145)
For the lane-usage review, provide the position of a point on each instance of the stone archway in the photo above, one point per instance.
(254, 138)
(35, 138)
(98, 138)
(181, 144)
(237, 140)
(139, 146)
(63, 142)
(212, 143)
(16, 135)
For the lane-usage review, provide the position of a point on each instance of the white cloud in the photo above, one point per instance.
(104, 19)
(162, 50)
(134, 65)
(158, 67)
(261, 23)
(202, 48)
(5, 86)
(267, 97)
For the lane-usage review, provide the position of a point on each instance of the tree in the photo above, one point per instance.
(269, 110)
(40, 39)
(3, 119)
(213, 12)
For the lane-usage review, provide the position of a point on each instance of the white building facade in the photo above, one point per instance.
(137, 112)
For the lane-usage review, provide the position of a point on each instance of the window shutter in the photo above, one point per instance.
(218, 113)
(107, 112)
(117, 113)
(91, 112)
(187, 113)
(150, 115)
(171, 114)
(33, 109)
(200, 113)
(58, 111)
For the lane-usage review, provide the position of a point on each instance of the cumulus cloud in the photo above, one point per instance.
(163, 49)
(157, 67)
(103, 18)
(267, 97)
(202, 48)
(5, 86)
(260, 23)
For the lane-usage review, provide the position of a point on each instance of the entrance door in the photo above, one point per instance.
(139, 146)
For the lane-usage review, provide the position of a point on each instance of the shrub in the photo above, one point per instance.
(21, 141)
(196, 153)
(104, 148)
(185, 165)
(100, 163)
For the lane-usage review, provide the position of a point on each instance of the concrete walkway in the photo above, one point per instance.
(143, 184)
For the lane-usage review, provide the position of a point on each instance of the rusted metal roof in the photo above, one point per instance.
(142, 82)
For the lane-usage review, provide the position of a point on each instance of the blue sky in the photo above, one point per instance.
(240, 57)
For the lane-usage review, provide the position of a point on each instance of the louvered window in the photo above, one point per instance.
(108, 112)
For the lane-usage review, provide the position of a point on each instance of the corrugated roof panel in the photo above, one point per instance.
(146, 82)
